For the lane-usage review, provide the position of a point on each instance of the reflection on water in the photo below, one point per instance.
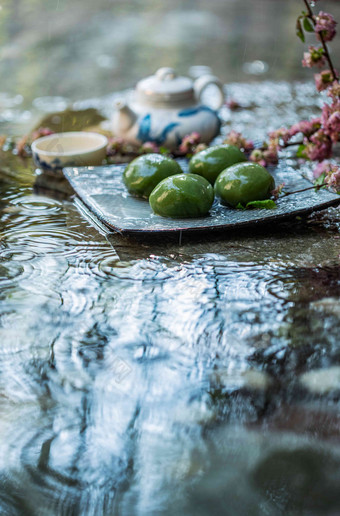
(150, 385)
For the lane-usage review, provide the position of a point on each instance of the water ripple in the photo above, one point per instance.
(37, 206)
(46, 241)
(15, 265)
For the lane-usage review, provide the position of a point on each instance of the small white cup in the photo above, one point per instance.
(72, 149)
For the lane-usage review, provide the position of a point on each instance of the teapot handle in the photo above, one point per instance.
(205, 80)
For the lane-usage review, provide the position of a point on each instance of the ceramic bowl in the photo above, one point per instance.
(73, 149)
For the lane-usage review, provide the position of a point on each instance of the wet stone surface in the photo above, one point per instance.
(158, 376)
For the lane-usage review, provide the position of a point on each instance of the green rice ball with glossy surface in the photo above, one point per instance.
(182, 196)
(145, 172)
(210, 162)
(243, 183)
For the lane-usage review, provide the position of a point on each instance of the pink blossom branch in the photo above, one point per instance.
(291, 144)
(324, 45)
(284, 145)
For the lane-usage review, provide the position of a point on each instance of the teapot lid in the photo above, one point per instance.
(165, 86)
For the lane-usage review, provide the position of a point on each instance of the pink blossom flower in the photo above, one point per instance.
(271, 154)
(306, 127)
(257, 157)
(319, 147)
(331, 120)
(314, 57)
(332, 174)
(189, 142)
(327, 110)
(280, 134)
(333, 126)
(192, 138)
(325, 25)
(200, 147)
(268, 155)
(333, 178)
(39, 133)
(115, 146)
(333, 90)
(237, 139)
(149, 147)
(322, 168)
(323, 79)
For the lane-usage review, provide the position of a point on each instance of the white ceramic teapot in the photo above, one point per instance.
(166, 107)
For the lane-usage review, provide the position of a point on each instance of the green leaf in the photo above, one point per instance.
(320, 181)
(299, 31)
(267, 204)
(240, 206)
(300, 153)
(307, 25)
(301, 35)
(164, 150)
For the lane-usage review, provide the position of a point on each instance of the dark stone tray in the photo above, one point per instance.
(102, 191)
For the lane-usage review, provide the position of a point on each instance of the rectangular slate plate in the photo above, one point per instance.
(102, 191)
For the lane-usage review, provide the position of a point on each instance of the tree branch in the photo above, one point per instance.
(324, 45)
(315, 187)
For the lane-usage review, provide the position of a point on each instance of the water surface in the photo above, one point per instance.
(143, 377)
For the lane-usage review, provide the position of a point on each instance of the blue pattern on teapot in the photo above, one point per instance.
(166, 108)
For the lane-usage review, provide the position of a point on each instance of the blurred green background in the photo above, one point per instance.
(87, 48)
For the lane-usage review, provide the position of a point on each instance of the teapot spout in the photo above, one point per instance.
(123, 118)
